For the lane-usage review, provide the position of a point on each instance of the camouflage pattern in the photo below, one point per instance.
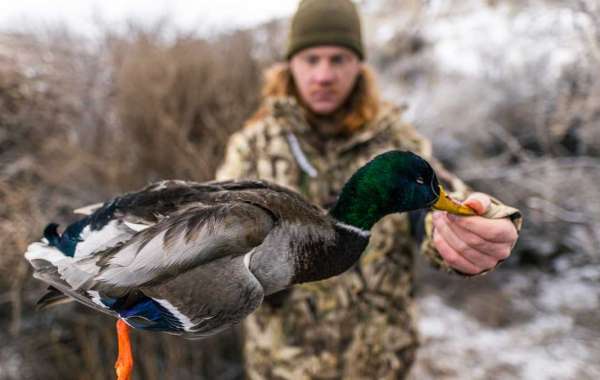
(359, 325)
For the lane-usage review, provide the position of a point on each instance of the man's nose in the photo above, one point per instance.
(324, 73)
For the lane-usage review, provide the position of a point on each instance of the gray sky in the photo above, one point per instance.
(82, 14)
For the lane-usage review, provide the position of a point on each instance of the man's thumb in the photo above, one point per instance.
(479, 202)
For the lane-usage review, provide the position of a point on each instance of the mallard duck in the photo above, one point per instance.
(193, 258)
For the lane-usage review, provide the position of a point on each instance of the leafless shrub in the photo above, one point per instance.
(526, 132)
(180, 101)
(81, 120)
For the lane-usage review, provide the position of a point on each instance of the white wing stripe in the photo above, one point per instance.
(96, 298)
(247, 258)
(185, 321)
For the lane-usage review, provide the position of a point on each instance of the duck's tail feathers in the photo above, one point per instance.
(66, 275)
(60, 291)
(41, 254)
(49, 263)
(52, 297)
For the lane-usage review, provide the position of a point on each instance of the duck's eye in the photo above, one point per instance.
(420, 180)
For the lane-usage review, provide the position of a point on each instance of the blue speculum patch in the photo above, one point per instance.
(146, 314)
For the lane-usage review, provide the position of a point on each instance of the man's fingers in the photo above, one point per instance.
(498, 251)
(451, 257)
(478, 252)
(492, 230)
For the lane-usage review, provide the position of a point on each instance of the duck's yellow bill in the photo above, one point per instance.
(445, 203)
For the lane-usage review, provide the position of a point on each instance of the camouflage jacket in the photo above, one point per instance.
(358, 325)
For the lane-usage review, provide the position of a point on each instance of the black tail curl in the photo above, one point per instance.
(51, 234)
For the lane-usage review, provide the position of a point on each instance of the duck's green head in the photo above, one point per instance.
(394, 181)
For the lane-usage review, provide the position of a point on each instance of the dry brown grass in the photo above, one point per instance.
(80, 121)
(180, 101)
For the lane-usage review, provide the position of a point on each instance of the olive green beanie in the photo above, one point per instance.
(325, 22)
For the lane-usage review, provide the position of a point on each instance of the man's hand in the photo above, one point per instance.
(473, 244)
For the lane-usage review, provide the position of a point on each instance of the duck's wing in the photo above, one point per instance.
(246, 188)
(178, 242)
(147, 206)
(183, 240)
(112, 223)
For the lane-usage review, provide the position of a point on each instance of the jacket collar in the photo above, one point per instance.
(290, 115)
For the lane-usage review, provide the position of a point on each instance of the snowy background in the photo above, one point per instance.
(84, 16)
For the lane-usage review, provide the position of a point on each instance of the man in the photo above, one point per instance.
(320, 120)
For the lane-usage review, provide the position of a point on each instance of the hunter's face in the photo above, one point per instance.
(325, 76)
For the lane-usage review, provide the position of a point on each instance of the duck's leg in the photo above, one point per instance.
(124, 364)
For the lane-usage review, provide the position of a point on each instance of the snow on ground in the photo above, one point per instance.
(510, 324)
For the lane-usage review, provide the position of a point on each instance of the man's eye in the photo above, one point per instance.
(312, 60)
(337, 60)
(420, 180)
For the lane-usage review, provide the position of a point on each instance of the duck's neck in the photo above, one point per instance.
(365, 199)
